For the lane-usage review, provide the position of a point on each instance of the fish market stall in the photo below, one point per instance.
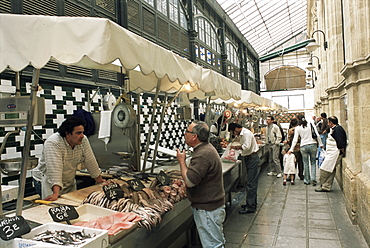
(96, 43)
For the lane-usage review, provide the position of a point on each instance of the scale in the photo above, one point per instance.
(14, 110)
(14, 113)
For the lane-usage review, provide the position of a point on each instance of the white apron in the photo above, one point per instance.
(69, 182)
(331, 156)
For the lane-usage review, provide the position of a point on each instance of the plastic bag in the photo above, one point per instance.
(321, 157)
(230, 155)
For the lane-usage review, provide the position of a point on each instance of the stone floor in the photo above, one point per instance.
(291, 216)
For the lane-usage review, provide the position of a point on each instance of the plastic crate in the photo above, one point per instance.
(99, 241)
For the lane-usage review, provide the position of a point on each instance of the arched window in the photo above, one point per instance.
(233, 63)
(285, 77)
(208, 47)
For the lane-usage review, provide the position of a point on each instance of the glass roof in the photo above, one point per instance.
(267, 24)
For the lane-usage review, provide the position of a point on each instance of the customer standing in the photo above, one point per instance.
(204, 185)
(249, 149)
(335, 151)
(273, 141)
(325, 129)
(296, 149)
(308, 148)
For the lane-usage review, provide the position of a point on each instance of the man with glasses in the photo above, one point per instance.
(204, 185)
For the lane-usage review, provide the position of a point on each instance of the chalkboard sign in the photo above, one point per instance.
(136, 184)
(13, 227)
(113, 191)
(163, 178)
(63, 213)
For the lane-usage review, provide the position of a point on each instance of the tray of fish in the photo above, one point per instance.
(61, 235)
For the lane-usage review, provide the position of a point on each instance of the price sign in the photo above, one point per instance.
(136, 184)
(13, 227)
(63, 213)
(113, 191)
(163, 178)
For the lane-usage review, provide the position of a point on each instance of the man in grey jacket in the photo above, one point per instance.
(273, 140)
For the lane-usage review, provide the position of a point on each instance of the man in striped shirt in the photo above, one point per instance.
(63, 152)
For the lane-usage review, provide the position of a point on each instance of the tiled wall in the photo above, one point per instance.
(62, 101)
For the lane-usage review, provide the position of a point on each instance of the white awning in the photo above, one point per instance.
(96, 43)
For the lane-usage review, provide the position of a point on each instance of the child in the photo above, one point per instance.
(289, 166)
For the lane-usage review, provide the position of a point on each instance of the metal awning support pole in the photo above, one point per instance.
(151, 125)
(159, 131)
(27, 139)
(138, 135)
(207, 118)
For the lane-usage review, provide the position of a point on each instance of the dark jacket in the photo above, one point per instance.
(340, 137)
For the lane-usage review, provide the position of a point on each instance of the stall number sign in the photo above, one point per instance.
(13, 227)
(63, 213)
(113, 191)
(163, 178)
(136, 184)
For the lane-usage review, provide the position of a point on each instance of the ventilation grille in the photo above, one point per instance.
(107, 5)
(72, 9)
(79, 71)
(39, 7)
(51, 65)
(175, 37)
(162, 29)
(133, 13)
(110, 75)
(148, 22)
(5, 6)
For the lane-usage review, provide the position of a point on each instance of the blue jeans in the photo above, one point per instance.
(309, 157)
(210, 226)
(252, 164)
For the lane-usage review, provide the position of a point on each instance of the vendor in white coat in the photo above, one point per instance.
(335, 150)
(62, 153)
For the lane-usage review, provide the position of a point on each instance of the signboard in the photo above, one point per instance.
(113, 191)
(13, 227)
(63, 213)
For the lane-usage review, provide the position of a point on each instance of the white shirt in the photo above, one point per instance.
(306, 136)
(59, 158)
(249, 143)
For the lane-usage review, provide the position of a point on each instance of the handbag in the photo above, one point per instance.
(313, 133)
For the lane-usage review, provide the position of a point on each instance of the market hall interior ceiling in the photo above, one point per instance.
(261, 27)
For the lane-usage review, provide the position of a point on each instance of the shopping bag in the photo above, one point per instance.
(230, 155)
(321, 157)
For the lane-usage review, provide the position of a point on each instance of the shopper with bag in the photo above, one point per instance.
(249, 148)
(309, 138)
(335, 150)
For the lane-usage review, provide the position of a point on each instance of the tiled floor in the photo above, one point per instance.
(292, 216)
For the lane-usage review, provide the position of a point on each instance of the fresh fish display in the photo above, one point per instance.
(149, 203)
(63, 237)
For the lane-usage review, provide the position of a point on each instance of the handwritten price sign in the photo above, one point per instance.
(13, 227)
(113, 191)
(136, 184)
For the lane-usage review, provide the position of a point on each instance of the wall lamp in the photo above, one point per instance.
(310, 65)
(310, 78)
(312, 46)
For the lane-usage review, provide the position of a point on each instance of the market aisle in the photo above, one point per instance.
(292, 216)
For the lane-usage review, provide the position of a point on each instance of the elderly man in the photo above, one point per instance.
(204, 185)
(335, 150)
(274, 139)
(249, 149)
